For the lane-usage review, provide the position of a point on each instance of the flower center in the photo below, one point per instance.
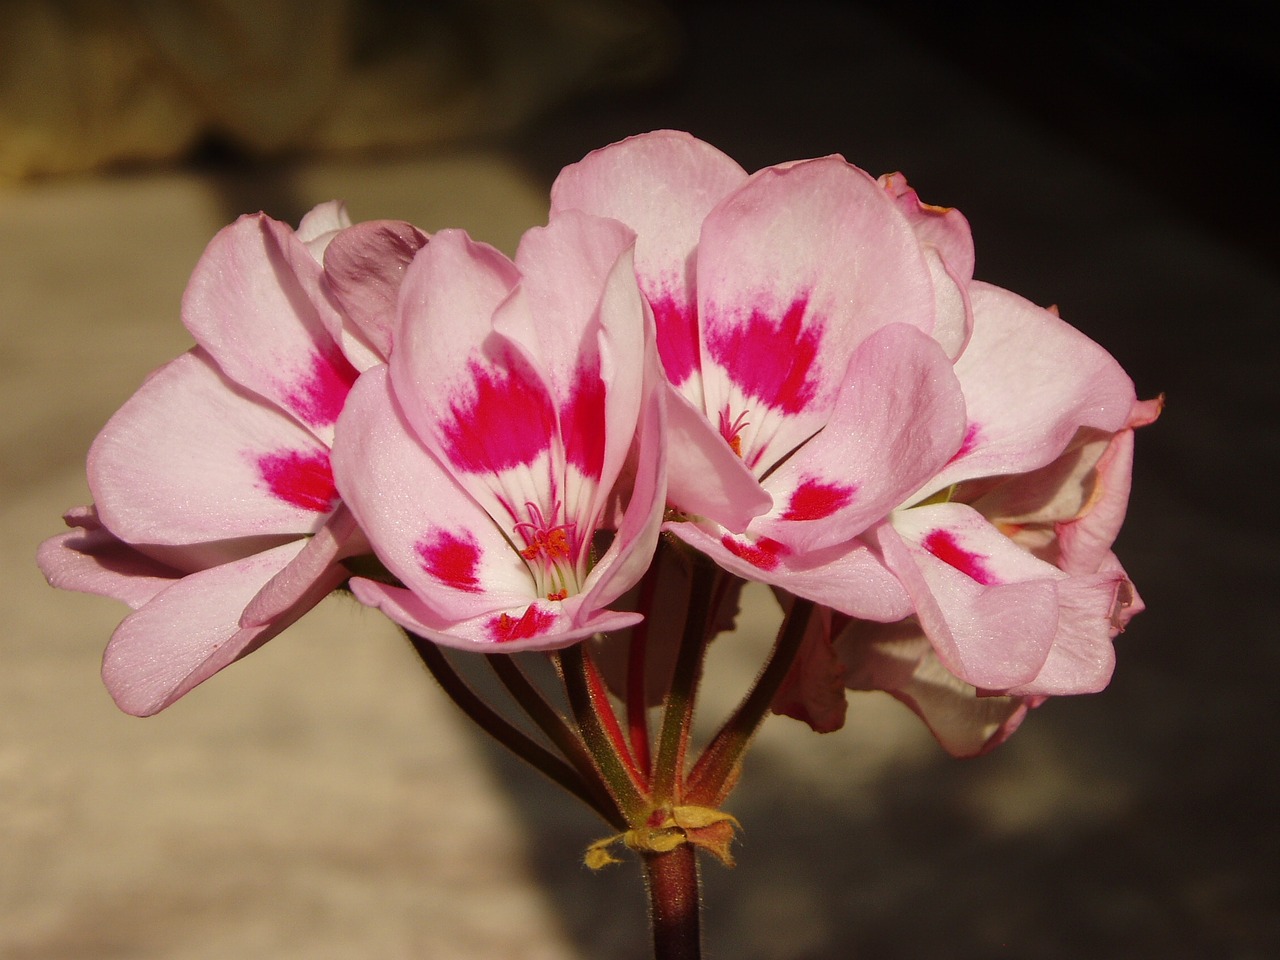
(549, 551)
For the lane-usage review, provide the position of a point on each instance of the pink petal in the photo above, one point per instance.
(1084, 541)
(585, 330)
(192, 458)
(848, 577)
(944, 228)
(953, 310)
(795, 269)
(989, 607)
(631, 552)
(948, 246)
(1030, 382)
(90, 559)
(338, 539)
(255, 303)
(528, 627)
(1082, 657)
(898, 418)
(425, 528)
(898, 659)
(364, 267)
(662, 185)
(190, 631)
(1055, 493)
(707, 479)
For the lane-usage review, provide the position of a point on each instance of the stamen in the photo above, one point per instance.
(549, 551)
(732, 431)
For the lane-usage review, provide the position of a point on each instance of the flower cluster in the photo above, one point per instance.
(792, 373)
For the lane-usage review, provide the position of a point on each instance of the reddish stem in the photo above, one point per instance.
(609, 722)
(637, 675)
(674, 903)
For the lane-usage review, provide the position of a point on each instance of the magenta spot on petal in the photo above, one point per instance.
(942, 544)
(582, 422)
(677, 337)
(504, 627)
(318, 399)
(764, 553)
(451, 559)
(813, 500)
(770, 360)
(507, 420)
(971, 434)
(302, 479)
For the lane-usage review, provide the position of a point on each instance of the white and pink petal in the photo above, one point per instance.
(424, 527)
(990, 608)
(898, 418)
(662, 185)
(193, 458)
(189, 631)
(1031, 382)
(795, 269)
(255, 303)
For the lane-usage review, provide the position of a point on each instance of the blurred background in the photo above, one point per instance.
(324, 800)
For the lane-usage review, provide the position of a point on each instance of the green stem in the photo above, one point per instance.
(637, 699)
(677, 710)
(550, 722)
(492, 723)
(609, 753)
(714, 773)
(672, 882)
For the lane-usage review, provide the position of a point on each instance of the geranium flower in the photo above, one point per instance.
(806, 326)
(1050, 529)
(979, 550)
(215, 512)
(488, 462)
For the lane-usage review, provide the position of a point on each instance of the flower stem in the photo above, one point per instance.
(677, 710)
(714, 774)
(550, 722)
(637, 699)
(494, 724)
(609, 752)
(674, 903)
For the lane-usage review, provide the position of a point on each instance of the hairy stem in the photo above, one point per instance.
(557, 729)
(714, 773)
(603, 739)
(677, 711)
(674, 903)
(498, 727)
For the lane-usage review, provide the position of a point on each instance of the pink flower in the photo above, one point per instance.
(1065, 516)
(515, 434)
(216, 516)
(807, 320)
(845, 403)
(1007, 602)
